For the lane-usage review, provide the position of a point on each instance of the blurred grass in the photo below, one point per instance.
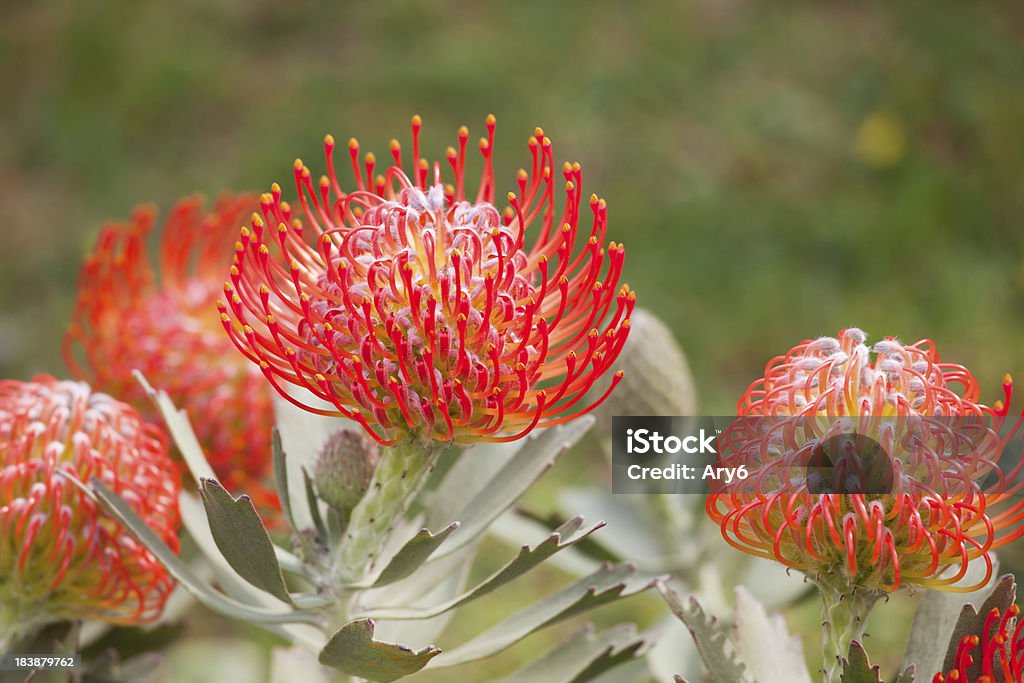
(777, 171)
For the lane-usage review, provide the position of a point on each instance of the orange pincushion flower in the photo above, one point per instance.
(1001, 657)
(416, 311)
(61, 556)
(166, 325)
(935, 513)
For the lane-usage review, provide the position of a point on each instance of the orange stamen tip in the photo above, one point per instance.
(329, 140)
(620, 374)
(566, 167)
(483, 143)
(370, 158)
(353, 143)
(1007, 379)
(417, 120)
(538, 131)
(423, 164)
(463, 132)
(576, 166)
(324, 182)
(298, 164)
(275, 188)
(491, 120)
(450, 153)
(395, 145)
(511, 196)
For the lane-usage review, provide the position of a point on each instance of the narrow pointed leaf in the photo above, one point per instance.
(527, 559)
(610, 583)
(584, 656)
(535, 456)
(181, 431)
(127, 517)
(242, 539)
(413, 554)
(716, 650)
(281, 477)
(354, 651)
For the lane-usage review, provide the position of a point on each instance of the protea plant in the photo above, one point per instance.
(411, 326)
(61, 555)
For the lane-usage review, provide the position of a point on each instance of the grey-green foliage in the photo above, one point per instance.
(376, 619)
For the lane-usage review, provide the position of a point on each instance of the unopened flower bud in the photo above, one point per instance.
(345, 467)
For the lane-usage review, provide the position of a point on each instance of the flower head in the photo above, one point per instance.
(1001, 655)
(418, 311)
(912, 492)
(61, 556)
(130, 316)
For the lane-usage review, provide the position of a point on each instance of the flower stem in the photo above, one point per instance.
(400, 474)
(844, 613)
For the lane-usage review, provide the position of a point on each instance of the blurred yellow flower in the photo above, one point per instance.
(881, 140)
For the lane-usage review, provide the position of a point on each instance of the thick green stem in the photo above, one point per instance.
(844, 613)
(400, 474)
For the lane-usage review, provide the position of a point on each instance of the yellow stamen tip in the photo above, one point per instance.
(329, 140)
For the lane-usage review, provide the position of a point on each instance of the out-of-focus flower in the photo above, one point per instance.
(129, 316)
(1001, 655)
(61, 556)
(419, 312)
(910, 425)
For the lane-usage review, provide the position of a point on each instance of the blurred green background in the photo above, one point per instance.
(777, 170)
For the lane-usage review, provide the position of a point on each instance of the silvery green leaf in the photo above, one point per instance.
(354, 651)
(535, 456)
(713, 644)
(127, 517)
(907, 676)
(413, 554)
(611, 583)
(630, 534)
(674, 652)
(313, 506)
(769, 582)
(512, 526)
(466, 477)
(763, 643)
(937, 614)
(433, 584)
(583, 657)
(303, 435)
(181, 431)
(857, 668)
(528, 558)
(635, 671)
(281, 477)
(242, 539)
(972, 620)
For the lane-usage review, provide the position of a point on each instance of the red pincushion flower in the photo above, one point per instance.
(1001, 655)
(61, 556)
(416, 311)
(166, 325)
(936, 512)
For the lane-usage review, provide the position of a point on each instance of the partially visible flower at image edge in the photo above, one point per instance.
(998, 651)
(420, 312)
(61, 555)
(910, 536)
(159, 316)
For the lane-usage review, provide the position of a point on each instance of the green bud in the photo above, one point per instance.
(345, 467)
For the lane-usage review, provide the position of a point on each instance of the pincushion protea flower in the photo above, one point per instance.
(935, 516)
(61, 556)
(419, 312)
(1001, 656)
(932, 521)
(128, 316)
